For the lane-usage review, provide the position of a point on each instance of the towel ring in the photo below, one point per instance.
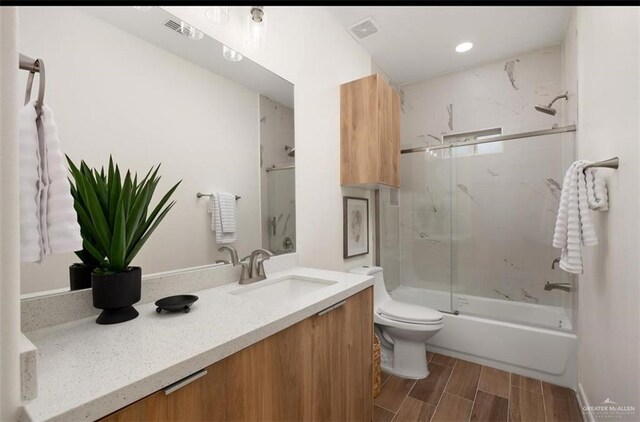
(41, 86)
(27, 95)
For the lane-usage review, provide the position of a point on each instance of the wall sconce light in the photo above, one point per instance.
(256, 28)
(219, 15)
(190, 31)
(231, 55)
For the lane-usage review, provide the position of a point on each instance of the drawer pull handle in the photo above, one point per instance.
(331, 308)
(184, 381)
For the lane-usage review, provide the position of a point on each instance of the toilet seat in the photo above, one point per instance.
(409, 313)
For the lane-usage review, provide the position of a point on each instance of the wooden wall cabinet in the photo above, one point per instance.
(369, 133)
(317, 370)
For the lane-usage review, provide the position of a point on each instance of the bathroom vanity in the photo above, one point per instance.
(317, 369)
(296, 346)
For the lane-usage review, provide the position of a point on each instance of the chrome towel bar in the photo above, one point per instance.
(200, 195)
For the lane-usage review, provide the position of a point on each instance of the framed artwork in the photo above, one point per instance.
(355, 226)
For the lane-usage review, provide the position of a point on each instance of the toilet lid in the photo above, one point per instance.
(407, 312)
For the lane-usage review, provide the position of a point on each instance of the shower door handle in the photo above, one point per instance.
(273, 225)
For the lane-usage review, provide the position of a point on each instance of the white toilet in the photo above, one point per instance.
(405, 329)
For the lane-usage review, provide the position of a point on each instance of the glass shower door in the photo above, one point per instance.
(282, 207)
(504, 207)
(415, 231)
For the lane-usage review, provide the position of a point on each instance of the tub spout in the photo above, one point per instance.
(560, 286)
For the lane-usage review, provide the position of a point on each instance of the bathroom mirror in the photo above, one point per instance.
(138, 84)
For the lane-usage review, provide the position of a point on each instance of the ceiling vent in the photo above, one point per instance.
(363, 29)
(173, 25)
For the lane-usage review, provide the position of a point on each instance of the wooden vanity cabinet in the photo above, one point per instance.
(319, 369)
(369, 133)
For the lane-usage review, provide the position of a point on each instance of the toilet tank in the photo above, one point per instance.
(380, 293)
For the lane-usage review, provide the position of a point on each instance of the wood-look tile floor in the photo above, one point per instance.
(457, 390)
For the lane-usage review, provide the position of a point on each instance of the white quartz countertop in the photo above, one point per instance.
(86, 370)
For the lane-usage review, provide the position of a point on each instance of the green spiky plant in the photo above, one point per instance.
(114, 213)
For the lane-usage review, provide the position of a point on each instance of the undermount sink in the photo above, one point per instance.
(282, 289)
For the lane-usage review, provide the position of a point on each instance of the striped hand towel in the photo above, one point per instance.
(222, 207)
(581, 191)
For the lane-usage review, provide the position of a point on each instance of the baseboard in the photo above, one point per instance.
(584, 403)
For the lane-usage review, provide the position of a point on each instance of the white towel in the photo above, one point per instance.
(30, 186)
(598, 196)
(63, 230)
(48, 221)
(222, 207)
(581, 190)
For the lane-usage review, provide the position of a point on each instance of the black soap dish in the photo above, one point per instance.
(180, 303)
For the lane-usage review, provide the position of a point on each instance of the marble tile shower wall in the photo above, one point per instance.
(499, 206)
(276, 132)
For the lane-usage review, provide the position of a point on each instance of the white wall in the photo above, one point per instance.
(9, 219)
(113, 93)
(308, 47)
(609, 325)
(276, 131)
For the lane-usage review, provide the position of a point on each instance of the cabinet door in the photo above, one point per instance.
(389, 130)
(359, 155)
(151, 408)
(341, 388)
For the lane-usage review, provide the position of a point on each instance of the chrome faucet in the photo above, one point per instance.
(235, 261)
(256, 266)
(555, 263)
(232, 252)
(252, 267)
(560, 286)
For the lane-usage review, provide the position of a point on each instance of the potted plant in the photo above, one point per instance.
(80, 273)
(115, 222)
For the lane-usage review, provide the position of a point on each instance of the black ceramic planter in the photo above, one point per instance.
(115, 294)
(80, 276)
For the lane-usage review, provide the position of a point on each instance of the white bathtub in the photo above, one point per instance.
(549, 354)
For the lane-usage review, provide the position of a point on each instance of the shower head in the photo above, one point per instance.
(292, 150)
(548, 109)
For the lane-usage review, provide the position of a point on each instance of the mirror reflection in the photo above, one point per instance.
(142, 87)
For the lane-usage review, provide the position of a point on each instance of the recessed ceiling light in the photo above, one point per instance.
(465, 46)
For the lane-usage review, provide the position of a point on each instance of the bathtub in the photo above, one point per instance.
(549, 354)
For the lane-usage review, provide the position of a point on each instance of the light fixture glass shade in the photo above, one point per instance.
(190, 31)
(230, 54)
(256, 28)
(218, 14)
